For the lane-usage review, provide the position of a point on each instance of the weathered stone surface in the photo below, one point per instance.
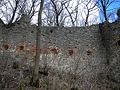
(92, 52)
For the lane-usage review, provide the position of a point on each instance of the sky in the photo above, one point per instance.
(95, 16)
(111, 10)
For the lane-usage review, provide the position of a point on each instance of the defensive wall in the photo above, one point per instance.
(91, 51)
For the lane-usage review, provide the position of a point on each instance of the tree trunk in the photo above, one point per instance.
(57, 21)
(35, 78)
(105, 14)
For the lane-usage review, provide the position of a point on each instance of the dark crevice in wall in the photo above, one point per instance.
(51, 31)
(118, 43)
(106, 35)
(6, 47)
(89, 52)
(21, 47)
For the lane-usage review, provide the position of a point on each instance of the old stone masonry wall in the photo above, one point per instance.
(91, 52)
(62, 48)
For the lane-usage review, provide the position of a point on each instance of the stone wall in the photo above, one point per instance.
(60, 44)
(110, 34)
(91, 52)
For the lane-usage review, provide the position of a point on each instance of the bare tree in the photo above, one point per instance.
(57, 10)
(49, 15)
(104, 7)
(90, 6)
(70, 13)
(12, 10)
(32, 11)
